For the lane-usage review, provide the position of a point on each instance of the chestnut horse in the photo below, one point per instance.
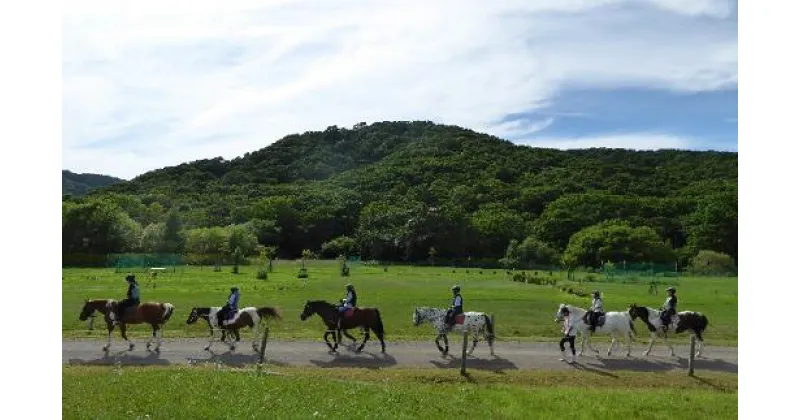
(364, 318)
(246, 317)
(154, 313)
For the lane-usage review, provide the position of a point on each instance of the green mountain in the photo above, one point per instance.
(80, 184)
(400, 188)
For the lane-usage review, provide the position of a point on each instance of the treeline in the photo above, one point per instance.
(415, 191)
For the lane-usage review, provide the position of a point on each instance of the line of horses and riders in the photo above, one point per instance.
(346, 315)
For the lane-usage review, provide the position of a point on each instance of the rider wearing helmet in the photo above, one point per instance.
(230, 307)
(456, 307)
(348, 302)
(596, 310)
(669, 309)
(132, 299)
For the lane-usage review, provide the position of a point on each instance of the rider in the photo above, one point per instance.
(669, 309)
(348, 302)
(456, 308)
(231, 307)
(596, 310)
(132, 298)
(570, 330)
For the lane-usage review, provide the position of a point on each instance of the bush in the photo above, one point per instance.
(711, 262)
(262, 274)
(303, 274)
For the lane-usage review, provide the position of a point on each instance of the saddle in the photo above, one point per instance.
(349, 313)
(601, 320)
(459, 319)
(230, 317)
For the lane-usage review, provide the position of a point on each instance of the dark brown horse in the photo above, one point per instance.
(249, 317)
(154, 313)
(364, 318)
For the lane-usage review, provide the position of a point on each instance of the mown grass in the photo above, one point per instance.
(198, 392)
(522, 311)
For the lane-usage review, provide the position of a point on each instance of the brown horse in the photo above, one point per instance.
(364, 318)
(154, 313)
(250, 317)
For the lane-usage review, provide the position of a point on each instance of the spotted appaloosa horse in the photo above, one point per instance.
(365, 318)
(475, 322)
(613, 323)
(693, 322)
(250, 317)
(154, 313)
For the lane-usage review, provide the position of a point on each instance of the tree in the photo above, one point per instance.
(616, 241)
(173, 235)
(241, 238)
(98, 227)
(342, 245)
(712, 262)
(528, 253)
(153, 237)
(714, 225)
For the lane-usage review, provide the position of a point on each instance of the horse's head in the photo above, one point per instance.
(637, 311)
(562, 311)
(88, 309)
(308, 311)
(193, 317)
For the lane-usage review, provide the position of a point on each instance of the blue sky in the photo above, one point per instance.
(160, 84)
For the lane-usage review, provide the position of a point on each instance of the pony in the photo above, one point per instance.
(694, 322)
(154, 313)
(250, 317)
(475, 322)
(613, 323)
(365, 318)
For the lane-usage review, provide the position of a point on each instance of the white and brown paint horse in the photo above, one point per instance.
(615, 324)
(474, 322)
(686, 321)
(154, 313)
(249, 317)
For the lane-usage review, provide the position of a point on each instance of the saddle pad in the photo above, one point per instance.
(349, 312)
(460, 319)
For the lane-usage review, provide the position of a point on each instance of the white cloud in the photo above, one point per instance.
(632, 141)
(162, 83)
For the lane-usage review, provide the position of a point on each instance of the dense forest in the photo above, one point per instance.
(80, 184)
(414, 191)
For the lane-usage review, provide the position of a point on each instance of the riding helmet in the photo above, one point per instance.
(349, 286)
(234, 289)
(670, 289)
(456, 288)
(130, 277)
(596, 293)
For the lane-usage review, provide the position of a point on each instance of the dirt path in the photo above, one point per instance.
(509, 355)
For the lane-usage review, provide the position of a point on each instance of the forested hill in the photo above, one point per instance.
(80, 184)
(394, 190)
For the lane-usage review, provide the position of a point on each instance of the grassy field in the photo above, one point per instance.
(522, 311)
(169, 392)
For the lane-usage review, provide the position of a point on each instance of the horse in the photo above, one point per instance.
(365, 318)
(694, 322)
(154, 313)
(613, 323)
(475, 322)
(246, 317)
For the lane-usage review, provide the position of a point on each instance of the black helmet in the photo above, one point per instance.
(130, 278)
(670, 289)
(234, 289)
(596, 293)
(349, 286)
(456, 288)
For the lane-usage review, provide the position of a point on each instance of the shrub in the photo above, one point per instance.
(711, 262)
(262, 274)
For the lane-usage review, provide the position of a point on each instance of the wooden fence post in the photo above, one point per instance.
(464, 355)
(263, 344)
(692, 344)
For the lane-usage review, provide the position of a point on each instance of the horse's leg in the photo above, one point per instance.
(446, 344)
(613, 342)
(110, 326)
(629, 341)
(122, 331)
(699, 336)
(211, 339)
(489, 339)
(152, 336)
(231, 334)
(256, 333)
(583, 343)
(347, 334)
(333, 346)
(363, 343)
(439, 346)
(589, 343)
(650, 344)
(671, 350)
(474, 341)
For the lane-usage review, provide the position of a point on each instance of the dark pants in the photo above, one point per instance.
(124, 305)
(568, 339)
(593, 318)
(223, 314)
(666, 316)
(450, 317)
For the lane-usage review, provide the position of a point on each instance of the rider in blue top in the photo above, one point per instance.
(669, 309)
(348, 302)
(231, 307)
(132, 298)
(457, 306)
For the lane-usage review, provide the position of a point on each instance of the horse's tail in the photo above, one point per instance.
(378, 327)
(168, 310)
(268, 312)
(489, 328)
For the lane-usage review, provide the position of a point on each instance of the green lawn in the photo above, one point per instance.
(522, 311)
(197, 392)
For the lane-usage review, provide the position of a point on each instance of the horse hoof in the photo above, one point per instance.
(105, 348)
(158, 350)
(130, 348)
(207, 348)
